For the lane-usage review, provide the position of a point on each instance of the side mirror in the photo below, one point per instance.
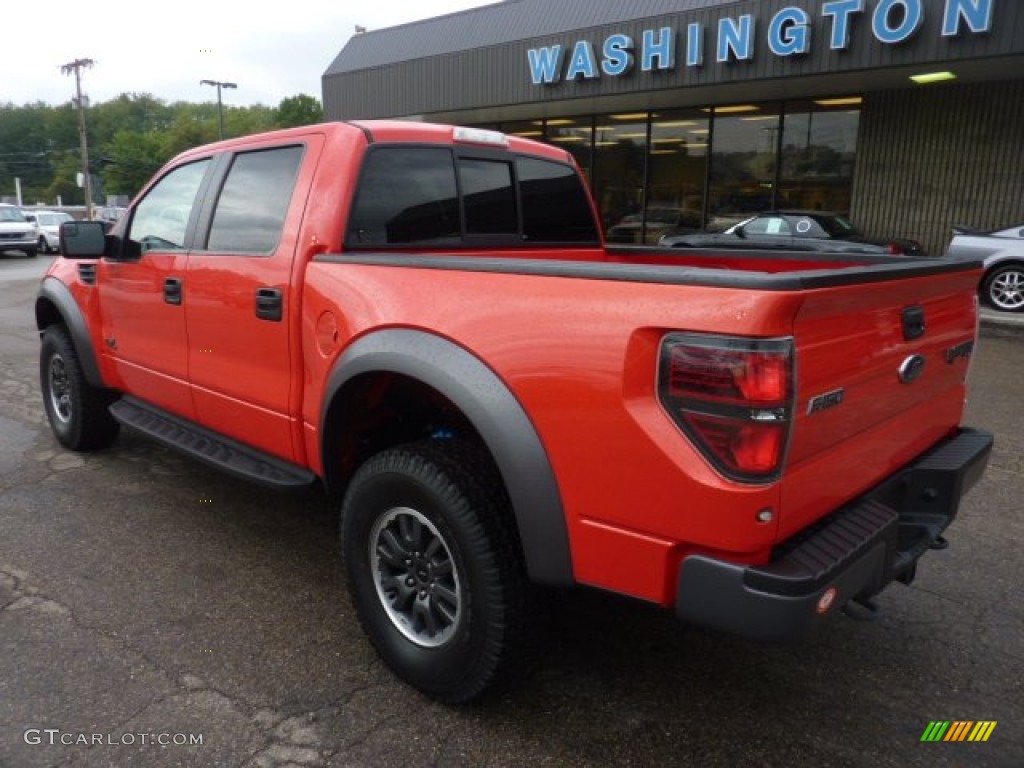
(82, 239)
(740, 233)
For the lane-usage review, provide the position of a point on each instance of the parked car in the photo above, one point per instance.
(1002, 286)
(48, 225)
(16, 232)
(659, 222)
(794, 231)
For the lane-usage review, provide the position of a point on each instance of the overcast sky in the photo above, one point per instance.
(166, 48)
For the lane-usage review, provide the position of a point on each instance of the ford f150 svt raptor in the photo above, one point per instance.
(425, 319)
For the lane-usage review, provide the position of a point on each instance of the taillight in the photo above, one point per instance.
(894, 249)
(733, 397)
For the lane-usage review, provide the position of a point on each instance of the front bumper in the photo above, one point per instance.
(857, 550)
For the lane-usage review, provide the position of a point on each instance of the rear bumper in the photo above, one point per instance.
(857, 550)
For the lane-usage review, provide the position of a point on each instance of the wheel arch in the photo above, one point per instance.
(55, 304)
(432, 365)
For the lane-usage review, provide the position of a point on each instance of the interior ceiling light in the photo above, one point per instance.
(932, 77)
(562, 121)
(631, 116)
(846, 101)
(757, 118)
(733, 109)
(676, 124)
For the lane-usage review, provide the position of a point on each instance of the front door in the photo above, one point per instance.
(143, 295)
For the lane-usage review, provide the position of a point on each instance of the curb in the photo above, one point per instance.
(995, 323)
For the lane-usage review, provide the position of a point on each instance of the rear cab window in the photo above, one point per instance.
(451, 197)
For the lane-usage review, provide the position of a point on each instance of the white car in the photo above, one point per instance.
(1002, 287)
(48, 223)
(16, 232)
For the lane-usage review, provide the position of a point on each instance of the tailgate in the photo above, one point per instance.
(881, 375)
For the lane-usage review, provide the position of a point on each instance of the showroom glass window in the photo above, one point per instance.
(819, 143)
(620, 149)
(574, 135)
(677, 167)
(743, 162)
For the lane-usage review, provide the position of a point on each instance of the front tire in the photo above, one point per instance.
(77, 411)
(44, 247)
(435, 567)
(1003, 288)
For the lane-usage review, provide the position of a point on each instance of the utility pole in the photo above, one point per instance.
(76, 67)
(220, 105)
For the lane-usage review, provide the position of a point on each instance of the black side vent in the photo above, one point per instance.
(87, 273)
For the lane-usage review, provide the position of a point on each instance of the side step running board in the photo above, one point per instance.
(206, 445)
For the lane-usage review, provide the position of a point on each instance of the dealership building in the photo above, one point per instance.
(906, 114)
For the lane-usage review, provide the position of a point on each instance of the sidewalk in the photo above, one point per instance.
(995, 323)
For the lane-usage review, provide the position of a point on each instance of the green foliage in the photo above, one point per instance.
(299, 110)
(130, 138)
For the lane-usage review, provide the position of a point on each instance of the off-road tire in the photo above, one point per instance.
(77, 411)
(460, 537)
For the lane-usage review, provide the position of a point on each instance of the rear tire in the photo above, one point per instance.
(77, 411)
(1003, 288)
(435, 568)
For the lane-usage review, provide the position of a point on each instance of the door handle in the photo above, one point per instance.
(269, 304)
(172, 290)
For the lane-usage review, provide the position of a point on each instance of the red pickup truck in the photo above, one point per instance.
(425, 319)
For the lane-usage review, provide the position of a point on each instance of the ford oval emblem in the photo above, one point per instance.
(912, 369)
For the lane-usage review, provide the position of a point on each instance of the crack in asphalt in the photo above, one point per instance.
(287, 739)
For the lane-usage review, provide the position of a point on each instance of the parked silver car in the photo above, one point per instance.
(16, 232)
(48, 223)
(1002, 286)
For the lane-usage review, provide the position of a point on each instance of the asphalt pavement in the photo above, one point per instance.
(154, 612)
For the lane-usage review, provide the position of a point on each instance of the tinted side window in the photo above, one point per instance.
(556, 208)
(160, 220)
(253, 202)
(406, 195)
(489, 197)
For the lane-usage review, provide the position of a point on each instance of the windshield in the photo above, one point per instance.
(11, 214)
(837, 226)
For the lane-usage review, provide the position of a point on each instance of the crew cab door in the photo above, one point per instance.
(143, 294)
(242, 315)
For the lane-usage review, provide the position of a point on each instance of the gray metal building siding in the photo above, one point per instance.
(494, 25)
(928, 159)
(473, 78)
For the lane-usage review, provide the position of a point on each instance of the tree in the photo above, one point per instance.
(299, 110)
(130, 160)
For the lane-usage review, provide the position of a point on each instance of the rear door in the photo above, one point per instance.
(243, 283)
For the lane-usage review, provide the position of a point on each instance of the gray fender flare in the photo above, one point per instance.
(497, 416)
(54, 291)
